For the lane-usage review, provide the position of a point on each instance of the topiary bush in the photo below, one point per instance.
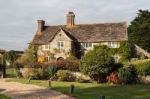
(142, 67)
(65, 75)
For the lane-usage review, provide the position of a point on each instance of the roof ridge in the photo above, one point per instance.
(121, 22)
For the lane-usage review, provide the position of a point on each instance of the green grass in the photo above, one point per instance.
(3, 97)
(10, 72)
(93, 90)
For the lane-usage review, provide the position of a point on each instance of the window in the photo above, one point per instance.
(46, 47)
(116, 58)
(86, 45)
(47, 59)
(60, 44)
(113, 44)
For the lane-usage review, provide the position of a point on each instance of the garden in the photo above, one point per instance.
(95, 74)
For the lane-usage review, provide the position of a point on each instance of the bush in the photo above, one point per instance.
(43, 73)
(80, 79)
(97, 63)
(64, 65)
(71, 57)
(127, 74)
(113, 78)
(65, 75)
(32, 73)
(142, 67)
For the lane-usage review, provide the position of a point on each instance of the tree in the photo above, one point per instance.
(139, 30)
(124, 51)
(30, 55)
(10, 57)
(97, 63)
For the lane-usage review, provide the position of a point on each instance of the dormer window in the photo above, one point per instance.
(46, 47)
(60, 44)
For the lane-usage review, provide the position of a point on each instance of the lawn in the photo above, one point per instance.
(3, 97)
(93, 90)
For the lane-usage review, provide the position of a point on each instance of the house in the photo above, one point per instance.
(60, 41)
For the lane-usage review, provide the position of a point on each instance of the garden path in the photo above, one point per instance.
(26, 91)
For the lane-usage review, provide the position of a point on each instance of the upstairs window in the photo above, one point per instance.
(46, 47)
(113, 44)
(86, 45)
(60, 44)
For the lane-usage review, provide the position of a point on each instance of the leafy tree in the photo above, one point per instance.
(124, 51)
(10, 57)
(30, 55)
(97, 63)
(139, 30)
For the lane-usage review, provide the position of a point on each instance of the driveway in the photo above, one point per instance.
(26, 91)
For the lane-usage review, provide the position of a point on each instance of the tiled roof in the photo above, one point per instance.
(86, 32)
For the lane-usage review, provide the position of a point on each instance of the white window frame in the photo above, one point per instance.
(47, 58)
(113, 44)
(60, 43)
(46, 47)
(116, 58)
(86, 45)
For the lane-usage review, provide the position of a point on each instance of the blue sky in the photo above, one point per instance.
(18, 17)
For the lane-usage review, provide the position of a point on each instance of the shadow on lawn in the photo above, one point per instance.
(111, 92)
(36, 94)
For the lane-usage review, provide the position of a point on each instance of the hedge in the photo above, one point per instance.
(142, 66)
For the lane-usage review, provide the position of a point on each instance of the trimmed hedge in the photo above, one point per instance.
(142, 67)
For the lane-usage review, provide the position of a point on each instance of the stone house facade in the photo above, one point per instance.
(61, 41)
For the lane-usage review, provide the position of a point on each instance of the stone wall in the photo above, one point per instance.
(53, 48)
(144, 79)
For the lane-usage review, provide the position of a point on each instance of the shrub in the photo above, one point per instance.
(51, 71)
(142, 67)
(97, 63)
(43, 73)
(113, 78)
(32, 73)
(65, 75)
(64, 65)
(80, 79)
(71, 57)
(127, 74)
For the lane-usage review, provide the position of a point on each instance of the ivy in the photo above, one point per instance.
(123, 51)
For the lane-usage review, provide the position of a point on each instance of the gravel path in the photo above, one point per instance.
(26, 91)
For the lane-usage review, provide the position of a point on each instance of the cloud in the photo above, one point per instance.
(18, 17)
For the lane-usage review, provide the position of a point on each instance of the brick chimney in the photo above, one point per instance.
(41, 24)
(70, 20)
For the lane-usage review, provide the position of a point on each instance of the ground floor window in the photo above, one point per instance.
(47, 59)
(116, 58)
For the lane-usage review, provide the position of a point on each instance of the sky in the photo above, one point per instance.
(18, 18)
